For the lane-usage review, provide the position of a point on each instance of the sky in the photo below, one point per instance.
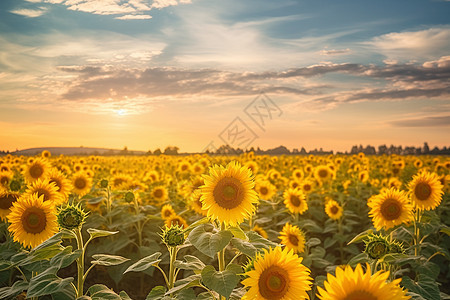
(197, 74)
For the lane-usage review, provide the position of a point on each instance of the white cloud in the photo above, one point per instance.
(134, 17)
(409, 45)
(30, 13)
(335, 51)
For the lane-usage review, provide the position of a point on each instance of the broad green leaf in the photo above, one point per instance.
(255, 243)
(144, 263)
(209, 240)
(223, 282)
(95, 233)
(102, 292)
(445, 230)
(15, 289)
(47, 283)
(108, 260)
(54, 240)
(124, 296)
(193, 280)
(157, 293)
(65, 258)
(238, 232)
(190, 263)
(360, 237)
(359, 259)
(426, 287)
(313, 242)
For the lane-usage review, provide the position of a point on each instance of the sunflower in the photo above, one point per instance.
(349, 284)
(33, 220)
(167, 211)
(176, 220)
(46, 154)
(160, 193)
(298, 174)
(198, 169)
(37, 169)
(196, 204)
(63, 185)
(5, 178)
(394, 182)
(390, 208)
(293, 238)
(333, 210)
(81, 183)
(120, 181)
(6, 202)
(184, 167)
(43, 187)
(228, 193)
(253, 166)
(152, 176)
(295, 201)
(363, 176)
(306, 186)
(259, 230)
(426, 190)
(265, 189)
(418, 163)
(277, 275)
(323, 173)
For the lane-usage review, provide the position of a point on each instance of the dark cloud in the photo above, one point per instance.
(438, 121)
(401, 82)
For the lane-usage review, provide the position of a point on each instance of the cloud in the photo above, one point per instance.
(335, 52)
(30, 13)
(435, 121)
(432, 42)
(134, 17)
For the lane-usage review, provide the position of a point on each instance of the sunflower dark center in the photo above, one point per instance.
(184, 167)
(34, 220)
(228, 193)
(323, 173)
(422, 191)
(391, 209)
(293, 239)
(158, 193)
(4, 180)
(263, 190)
(295, 200)
(44, 192)
(167, 213)
(334, 210)
(118, 181)
(7, 200)
(360, 295)
(273, 283)
(80, 183)
(307, 187)
(57, 183)
(36, 171)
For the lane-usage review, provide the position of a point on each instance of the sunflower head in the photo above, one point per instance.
(103, 183)
(167, 211)
(176, 220)
(377, 246)
(295, 201)
(228, 194)
(259, 230)
(129, 197)
(293, 237)
(71, 217)
(277, 274)
(333, 210)
(7, 200)
(15, 185)
(36, 169)
(426, 190)
(173, 236)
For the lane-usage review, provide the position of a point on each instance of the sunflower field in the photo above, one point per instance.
(336, 227)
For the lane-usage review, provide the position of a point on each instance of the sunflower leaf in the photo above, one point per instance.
(108, 260)
(209, 240)
(223, 282)
(95, 233)
(144, 263)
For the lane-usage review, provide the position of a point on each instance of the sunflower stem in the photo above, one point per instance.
(80, 262)
(341, 244)
(108, 206)
(417, 241)
(221, 258)
(173, 256)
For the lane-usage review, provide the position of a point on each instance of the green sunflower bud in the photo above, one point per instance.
(173, 236)
(15, 185)
(129, 197)
(71, 217)
(377, 246)
(396, 247)
(104, 183)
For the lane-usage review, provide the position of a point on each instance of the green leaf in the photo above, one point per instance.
(124, 296)
(445, 230)
(255, 244)
(238, 232)
(426, 287)
(108, 260)
(102, 292)
(95, 233)
(15, 289)
(157, 293)
(313, 242)
(144, 263)
(193, 280)
(54, 240)
(360, 237)
(358, 259)
(191, 263)
(223, 282)
(47, 283)
(209, 240)
(65, 258)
